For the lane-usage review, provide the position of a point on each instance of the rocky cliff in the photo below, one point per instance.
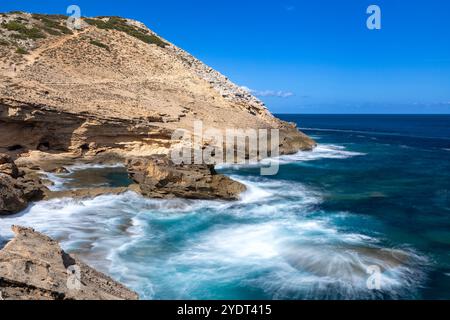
(112, 86)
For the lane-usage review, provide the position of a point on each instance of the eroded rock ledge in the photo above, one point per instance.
(33, 266)
(159, 177)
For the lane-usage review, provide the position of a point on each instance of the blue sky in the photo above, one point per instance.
(305, 56)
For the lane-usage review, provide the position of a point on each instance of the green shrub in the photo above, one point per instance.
(99, 44)
(150, 39)
(14, 26)
(34, 33)
(49, 16)
(52, 32)
(120, 24)
(53, 22)
(23, 30)
(21, 51)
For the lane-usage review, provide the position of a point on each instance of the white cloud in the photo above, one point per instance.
(269, 93)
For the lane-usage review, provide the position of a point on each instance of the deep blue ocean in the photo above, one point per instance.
(374, 194)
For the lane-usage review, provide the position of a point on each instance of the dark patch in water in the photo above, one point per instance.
(97, 177)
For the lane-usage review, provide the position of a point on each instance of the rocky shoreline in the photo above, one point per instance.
(33, 266)
(154, 177)
(129, 92)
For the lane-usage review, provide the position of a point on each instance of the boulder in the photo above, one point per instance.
(7, 166)
(32, 187)
(159, 177)
(60, 170)
(17, 188)
(34, 267)
(12, 199)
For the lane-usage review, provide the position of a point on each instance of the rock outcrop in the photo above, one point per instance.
(159, 177)
(8, 167)
(34, 267)
(12, 199)
(17, 188)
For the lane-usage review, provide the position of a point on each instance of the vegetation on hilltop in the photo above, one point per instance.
(120, 24)
(23, 31)
(42, 25)
(36, 28)
(52, 23)
(20, 27)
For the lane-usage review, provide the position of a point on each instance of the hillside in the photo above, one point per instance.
(112, 86)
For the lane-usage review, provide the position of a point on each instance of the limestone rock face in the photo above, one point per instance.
(34, 267)
(17, 189)
(292, 140)
(159, 177)
(7, 166)
(12, 199)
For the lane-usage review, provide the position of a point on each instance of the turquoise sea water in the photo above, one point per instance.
(376, 192)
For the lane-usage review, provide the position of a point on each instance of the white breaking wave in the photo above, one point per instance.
(322, 151)
(57, 180)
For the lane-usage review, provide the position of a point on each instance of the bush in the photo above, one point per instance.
(52, 32)
(33, 33)
(21, 51)
(52, 24)
(49, 16)
(99, 44)
(14, 26)
(120, 24)
(23, 30)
